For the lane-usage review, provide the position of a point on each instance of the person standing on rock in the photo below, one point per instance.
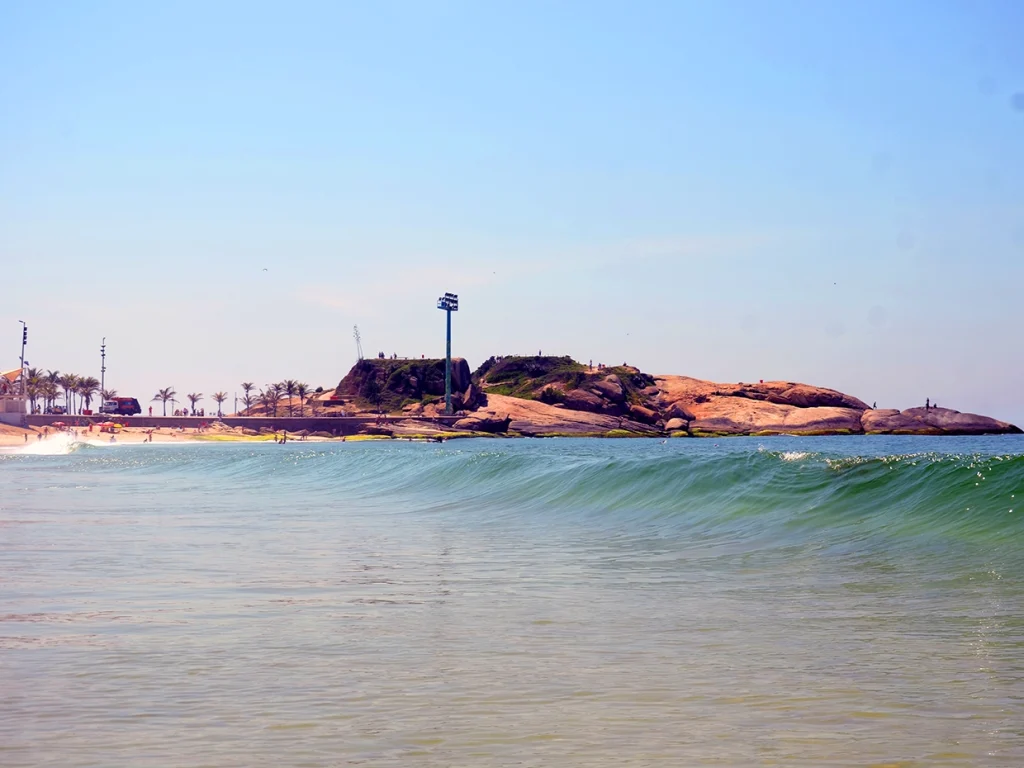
(927, 403)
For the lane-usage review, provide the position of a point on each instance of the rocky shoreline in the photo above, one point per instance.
(556, 396)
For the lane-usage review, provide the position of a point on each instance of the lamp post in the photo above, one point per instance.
(103, 367)
(449, 303)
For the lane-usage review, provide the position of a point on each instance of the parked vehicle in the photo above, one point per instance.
(122, 406)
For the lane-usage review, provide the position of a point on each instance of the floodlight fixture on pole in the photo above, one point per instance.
(103, 367)
(24, 341)
(449, 303)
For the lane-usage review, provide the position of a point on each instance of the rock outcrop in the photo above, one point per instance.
(782, 407)
(547, 396)
(532, 418)
(396, 384)
(935, 421)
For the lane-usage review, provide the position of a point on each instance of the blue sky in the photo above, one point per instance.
(815, 191)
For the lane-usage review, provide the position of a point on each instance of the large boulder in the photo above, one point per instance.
(484, 423)
(889, 421)
(676, 425)
(643, 415)
(932, 421)
(678, 411)
(581, 400)
(610, 388)
(956, 423)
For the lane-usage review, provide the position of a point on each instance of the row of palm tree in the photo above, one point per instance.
(50, 386)
(168, 394)
(271, 395)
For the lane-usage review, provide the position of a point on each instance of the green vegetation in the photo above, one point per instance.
(389, 385)
(550, 395)
(529, 377)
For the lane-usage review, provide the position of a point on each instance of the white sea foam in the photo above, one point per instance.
(57, 444)
(794, 455)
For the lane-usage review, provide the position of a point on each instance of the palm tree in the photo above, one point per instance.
(164, 395)
(270, 397)
(50, 388)
(247, 388)
(288, 385)
(194, 397)
(87, 388)
(108, 394)
(219, 398)
(49, 392)
(33, 388)
(68, 382)
(302, 389)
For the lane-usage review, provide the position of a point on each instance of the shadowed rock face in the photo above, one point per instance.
(396, 382)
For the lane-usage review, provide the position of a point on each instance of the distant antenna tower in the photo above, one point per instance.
(359, 341)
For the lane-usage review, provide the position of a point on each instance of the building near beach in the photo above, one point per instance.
(13, 403)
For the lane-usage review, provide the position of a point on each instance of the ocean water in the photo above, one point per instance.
(744, 602)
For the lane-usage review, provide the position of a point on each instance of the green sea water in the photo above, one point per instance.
(744, 602)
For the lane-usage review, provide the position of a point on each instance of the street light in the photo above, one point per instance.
(449, 303)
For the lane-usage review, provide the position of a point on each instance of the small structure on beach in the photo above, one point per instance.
(13, 402)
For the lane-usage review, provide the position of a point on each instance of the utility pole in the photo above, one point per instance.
(359, 341)
(449, 303)
(103, 367)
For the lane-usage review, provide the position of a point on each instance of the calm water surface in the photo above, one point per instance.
(774, 602)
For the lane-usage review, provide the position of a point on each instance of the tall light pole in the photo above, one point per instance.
(449, 303)
(24, 341)
(103, 367)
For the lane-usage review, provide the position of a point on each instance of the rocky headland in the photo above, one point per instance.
(557, 396)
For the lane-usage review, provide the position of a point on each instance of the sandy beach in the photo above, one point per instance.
(11, 437)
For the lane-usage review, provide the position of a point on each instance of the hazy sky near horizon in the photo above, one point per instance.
(816, 191)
